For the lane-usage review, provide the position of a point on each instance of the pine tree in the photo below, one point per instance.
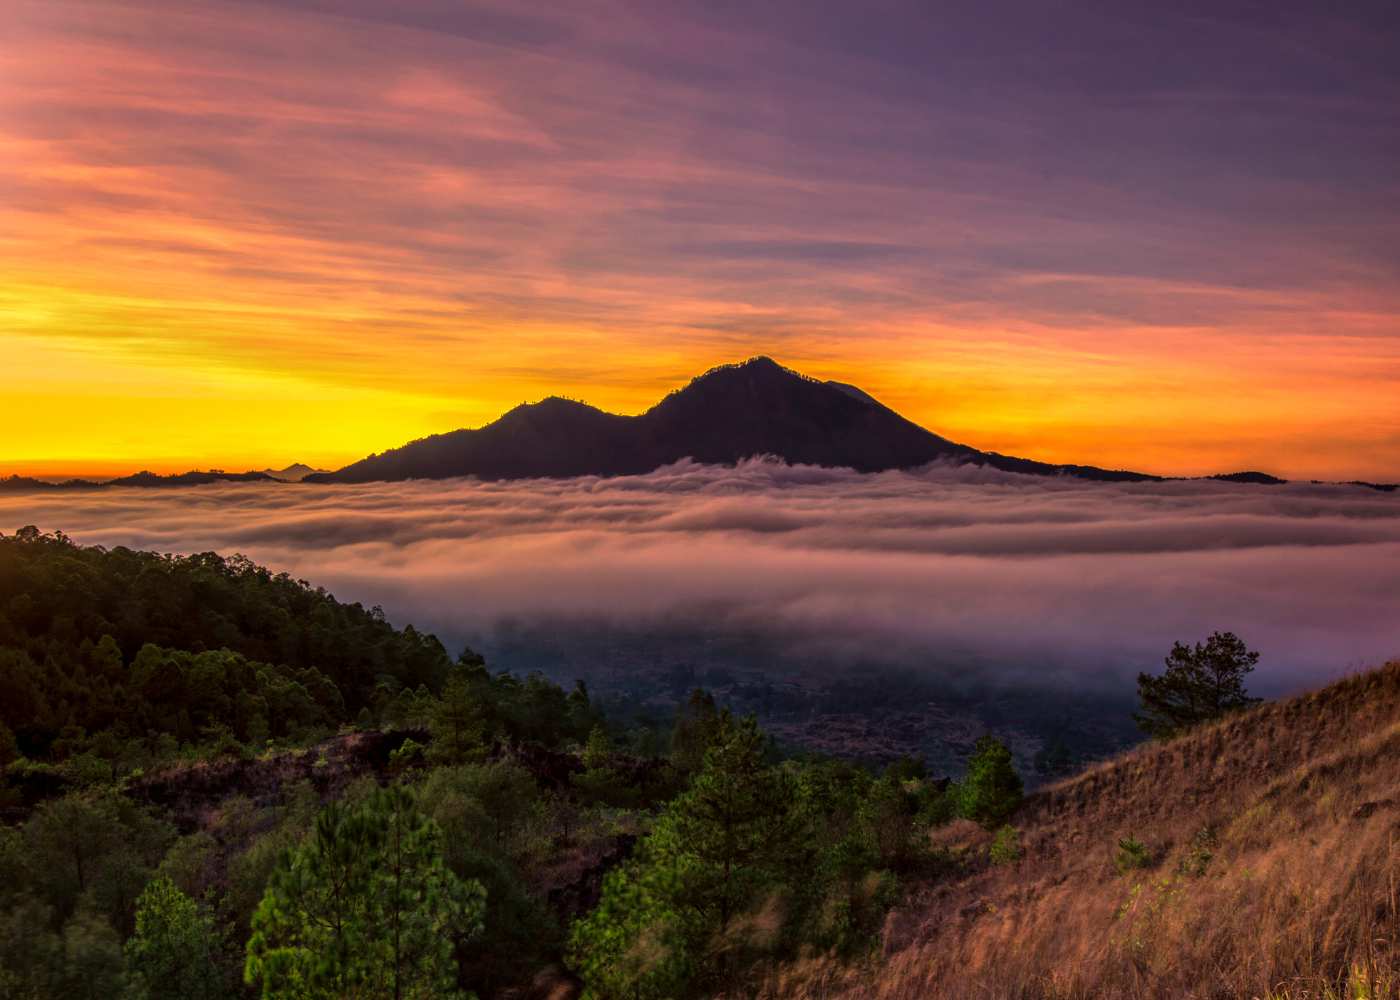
(457, 721)
(1201, 683)
(992, 789)
(715, 854)
(172, 954)
(365, 908)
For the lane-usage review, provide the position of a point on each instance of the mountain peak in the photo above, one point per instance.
(758, 365)
(730, 413)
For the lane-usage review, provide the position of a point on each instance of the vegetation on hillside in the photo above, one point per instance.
(219, 782)
(1256, 856)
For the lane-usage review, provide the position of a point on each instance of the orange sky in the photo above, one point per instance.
(241, 241)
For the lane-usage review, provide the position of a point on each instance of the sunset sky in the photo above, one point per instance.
(243, 234)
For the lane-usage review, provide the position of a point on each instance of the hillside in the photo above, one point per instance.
(1275, 838)
(143, 479)
(724, 416)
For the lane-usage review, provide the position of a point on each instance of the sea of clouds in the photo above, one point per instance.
(948, 565)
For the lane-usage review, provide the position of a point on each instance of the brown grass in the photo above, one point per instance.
(1297, 803)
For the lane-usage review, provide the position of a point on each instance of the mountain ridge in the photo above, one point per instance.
(723, 416)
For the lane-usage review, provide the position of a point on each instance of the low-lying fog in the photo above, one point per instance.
(943, 566)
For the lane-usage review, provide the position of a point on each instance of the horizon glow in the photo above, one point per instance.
(240, 235)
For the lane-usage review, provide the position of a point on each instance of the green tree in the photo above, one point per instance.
(698, 726)
(599, 782)
(992, 789)
(98, 848)
(718, 851)
(1006, 846)
(1201, 683)
(92, 959)
(457, 722)
(640, 943)
(887, 816)
(172, 955)
(365, 908)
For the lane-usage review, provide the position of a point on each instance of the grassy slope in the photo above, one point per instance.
(1299, 899)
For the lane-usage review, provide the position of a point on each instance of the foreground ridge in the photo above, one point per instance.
(1274, 846)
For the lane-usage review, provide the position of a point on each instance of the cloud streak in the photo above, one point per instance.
(946, 568)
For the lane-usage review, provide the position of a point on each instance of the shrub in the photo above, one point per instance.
(1132, 854)
(409, 754)
(1198, 856)
(992, 790)
(1006, 846)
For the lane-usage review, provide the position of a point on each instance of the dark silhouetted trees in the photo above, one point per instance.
(1201, 683)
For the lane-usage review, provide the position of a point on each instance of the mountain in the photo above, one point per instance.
(293, 473)
(730, 413)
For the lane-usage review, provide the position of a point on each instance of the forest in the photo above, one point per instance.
(222, 782)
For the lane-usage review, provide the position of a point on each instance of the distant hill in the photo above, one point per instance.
(293, 473)
(26, 484)
(728, 414)
(1258, 478)
(143, 479)
(192, 478)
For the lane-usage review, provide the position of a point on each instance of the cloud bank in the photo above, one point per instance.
(952, 568)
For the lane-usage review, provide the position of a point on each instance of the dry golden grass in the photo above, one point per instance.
(1297, 804)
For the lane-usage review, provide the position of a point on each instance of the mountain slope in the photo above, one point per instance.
(1275, 836)
(728, 414)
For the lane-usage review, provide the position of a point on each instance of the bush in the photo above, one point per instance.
(992, 790)
(1132, 854)
(1006, 846)
(1198, 856)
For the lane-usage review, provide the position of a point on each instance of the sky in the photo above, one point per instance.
(1156, 236)
(1019, 579)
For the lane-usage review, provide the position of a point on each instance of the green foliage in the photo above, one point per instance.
(992, 789)
(640, 943)
(458, 720)
(699, 724)
(938, 806)
(1131, 855)
(172, 954)
(1006, 846)
(519, 932)
(408, 754)
(887, 816)
(40, 960)
(482, 803)
(93, 640)
(1201, 683)
(192, 863)
(366, 907)
(95, 849)
(600, 783)
(92, 959)
(250, 870)
(691, 905)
